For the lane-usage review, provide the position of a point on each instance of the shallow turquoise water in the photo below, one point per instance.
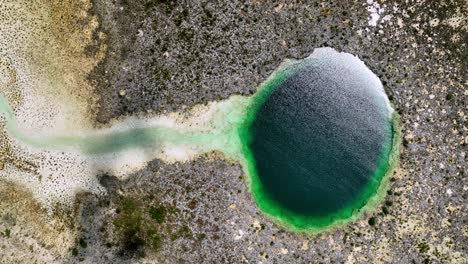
(315, 140)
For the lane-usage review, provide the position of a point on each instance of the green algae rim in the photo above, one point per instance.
(369, 198)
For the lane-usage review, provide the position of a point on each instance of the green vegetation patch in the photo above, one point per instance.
(7, 233)
(158, 213)
(137, 227)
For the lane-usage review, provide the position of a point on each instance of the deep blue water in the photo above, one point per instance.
(318, 138)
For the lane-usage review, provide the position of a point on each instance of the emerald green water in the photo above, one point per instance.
(316, 140)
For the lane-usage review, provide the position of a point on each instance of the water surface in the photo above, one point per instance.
(320, 140)
(315, 141)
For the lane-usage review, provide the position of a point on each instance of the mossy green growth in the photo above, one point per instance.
(423, 247)
(134, 227)
(83, 243)
(158, 213)
(7, 233)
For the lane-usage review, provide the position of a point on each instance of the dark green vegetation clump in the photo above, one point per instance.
(158, 213)
(7, 233)
(137, 227)
(142, 225)
(423, 247)
(372, 221)
(83, 243)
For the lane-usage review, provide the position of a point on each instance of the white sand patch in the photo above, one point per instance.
(177, 153)
(119, 164)
(376, 13)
